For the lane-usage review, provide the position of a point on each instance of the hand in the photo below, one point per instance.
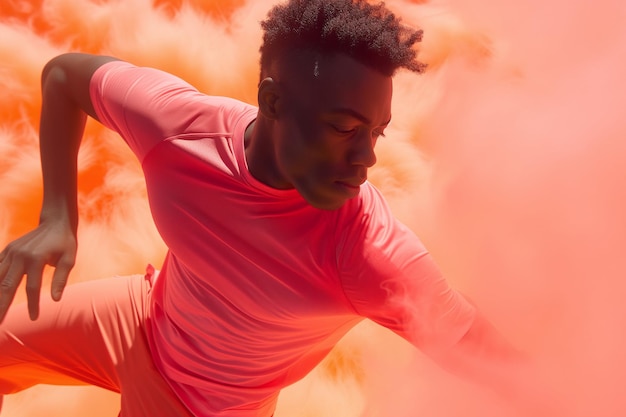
(51, 243)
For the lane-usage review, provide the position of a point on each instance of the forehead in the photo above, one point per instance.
(338, 84)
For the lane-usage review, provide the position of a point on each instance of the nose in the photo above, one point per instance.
(362, 153)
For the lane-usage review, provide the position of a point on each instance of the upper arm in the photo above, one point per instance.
(394, 281)
(74, 71)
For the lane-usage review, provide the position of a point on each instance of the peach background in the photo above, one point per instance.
(507, 158)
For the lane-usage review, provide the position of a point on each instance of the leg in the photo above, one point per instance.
(95, 335)
(66, 345)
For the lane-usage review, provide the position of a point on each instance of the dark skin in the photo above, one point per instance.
(317, 133)
(313, 133)
(318, 122)
(65, 90)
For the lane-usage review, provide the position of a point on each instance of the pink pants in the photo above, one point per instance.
(95, 336)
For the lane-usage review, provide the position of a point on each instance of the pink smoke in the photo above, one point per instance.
(507, 158)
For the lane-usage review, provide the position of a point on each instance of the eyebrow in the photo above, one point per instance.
(353, 113)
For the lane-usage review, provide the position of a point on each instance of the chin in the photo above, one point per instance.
(329, 207)
(326, 204)
(324, 200)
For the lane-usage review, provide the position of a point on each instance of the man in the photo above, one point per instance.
(277, 243)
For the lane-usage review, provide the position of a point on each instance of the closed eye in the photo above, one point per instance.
(349, 130)
(343, 130)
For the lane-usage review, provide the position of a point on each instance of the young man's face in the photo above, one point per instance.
(331, 114)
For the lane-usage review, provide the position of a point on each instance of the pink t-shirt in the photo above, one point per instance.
(258, 285)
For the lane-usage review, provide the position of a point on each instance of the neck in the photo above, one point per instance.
(259, 151)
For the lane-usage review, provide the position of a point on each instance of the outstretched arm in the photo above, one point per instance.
(484, 356)
(65, 106)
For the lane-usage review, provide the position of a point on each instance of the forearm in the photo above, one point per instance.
(61, 129)
(66, 102)
(485, 356)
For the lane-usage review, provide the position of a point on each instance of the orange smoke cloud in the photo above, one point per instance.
(507, 158)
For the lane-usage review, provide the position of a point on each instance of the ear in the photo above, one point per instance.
(268, 97)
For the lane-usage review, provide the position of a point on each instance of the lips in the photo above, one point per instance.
(351, 187)
(351, 184)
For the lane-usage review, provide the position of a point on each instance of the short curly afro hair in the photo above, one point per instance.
(369, 33)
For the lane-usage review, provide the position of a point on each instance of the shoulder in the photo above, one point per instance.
(365, 225)
(120, 77)
(368, 208)
(143, 83)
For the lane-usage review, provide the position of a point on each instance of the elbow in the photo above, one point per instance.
(66, 79)
(54, 70)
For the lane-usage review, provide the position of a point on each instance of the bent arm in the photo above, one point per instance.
(65, 106)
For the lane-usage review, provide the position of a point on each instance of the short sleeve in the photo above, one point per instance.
(147, 106)
(390, 278)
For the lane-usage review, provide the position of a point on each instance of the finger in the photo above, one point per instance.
(8, 286)
(4, 268)
(60, 276)
(33, 289)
